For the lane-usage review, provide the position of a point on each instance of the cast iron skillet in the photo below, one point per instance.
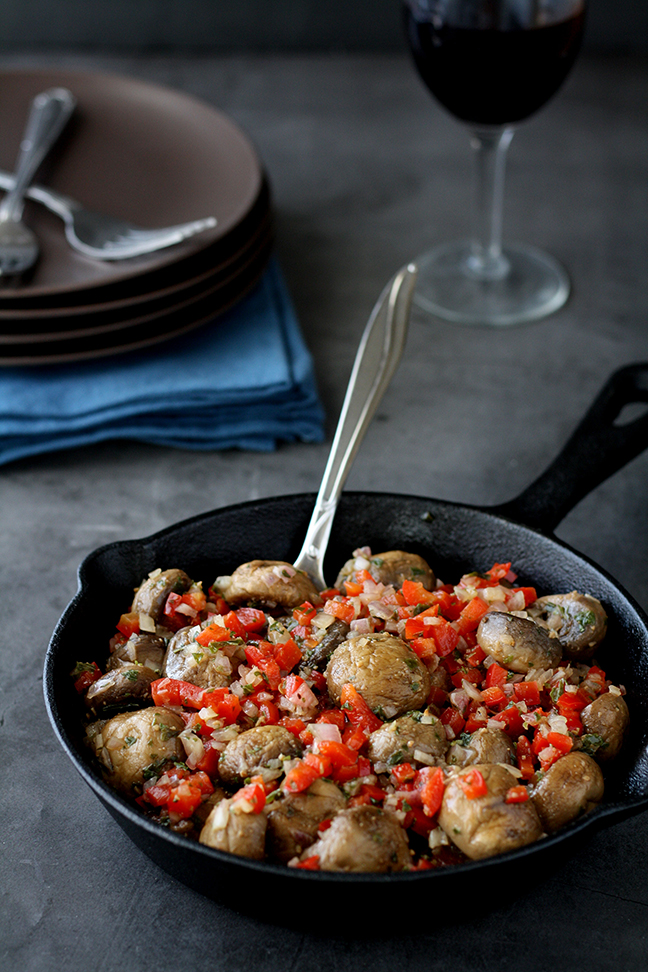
(453, 537)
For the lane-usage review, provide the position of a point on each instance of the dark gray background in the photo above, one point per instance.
(619, 26)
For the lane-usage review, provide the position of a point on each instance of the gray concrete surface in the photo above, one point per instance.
(366, 173)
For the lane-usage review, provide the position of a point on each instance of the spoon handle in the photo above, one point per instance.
(380, 350)
(50, 110)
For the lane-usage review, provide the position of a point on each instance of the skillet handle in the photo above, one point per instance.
(598, 448)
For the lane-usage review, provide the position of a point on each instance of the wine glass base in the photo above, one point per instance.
(534, 286)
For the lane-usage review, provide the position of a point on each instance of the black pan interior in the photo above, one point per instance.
(453, 538)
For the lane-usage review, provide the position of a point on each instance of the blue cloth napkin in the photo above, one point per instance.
(244, 381)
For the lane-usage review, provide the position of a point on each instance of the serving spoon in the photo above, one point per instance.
(49, 113)
(378, 355)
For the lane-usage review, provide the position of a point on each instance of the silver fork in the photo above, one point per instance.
(48, 115)
(104, 237)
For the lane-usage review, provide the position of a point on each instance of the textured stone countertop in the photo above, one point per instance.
(366, 172)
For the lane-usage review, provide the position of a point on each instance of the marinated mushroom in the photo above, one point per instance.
(482, 826)
(228, 828)
(125, 688)
(362, 838)
(151, 596)
(408, 740)
(578, 620)
(133, 744)
(482, 746)
(268, 583)
(390, 568)
(254, 750)
(518, 644)
(293, 821)
(334, 634)
(605, 721)
(207, 666)
(573, 785)
(140, 649)
(384, 669)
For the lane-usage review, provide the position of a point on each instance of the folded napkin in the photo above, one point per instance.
(244, 381)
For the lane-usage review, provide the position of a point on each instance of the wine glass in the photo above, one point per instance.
(491, 64)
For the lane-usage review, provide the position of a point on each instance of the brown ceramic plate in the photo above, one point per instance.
(148, 154)
(20, 327)
(142, 333)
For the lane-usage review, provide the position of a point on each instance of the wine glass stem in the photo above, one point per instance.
(486, 260)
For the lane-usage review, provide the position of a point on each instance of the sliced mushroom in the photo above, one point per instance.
(133, 744)
(573, 785)
(362, 838)
(606, 720)
(391, 568)
(253, 750)
(231, 830)
(579, 621)
(208, 666)
(334, 635)
(483, 826)
(140, 649)
(125, 688)
(518, 644)
(408, 740)
(386, 672)
(293, 821)
(482, 746)
(151, 596)
(268, 583)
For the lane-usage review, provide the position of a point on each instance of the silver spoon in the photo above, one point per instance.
(380, 350)
(50, 110)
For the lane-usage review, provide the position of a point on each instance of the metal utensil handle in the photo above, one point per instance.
(599, 446)
(50, 111)
(380, 350)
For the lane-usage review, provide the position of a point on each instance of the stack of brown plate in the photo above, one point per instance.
(154, 157)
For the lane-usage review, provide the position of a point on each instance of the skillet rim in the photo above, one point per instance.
(602, 815)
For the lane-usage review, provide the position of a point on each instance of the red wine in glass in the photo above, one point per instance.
(492, 64)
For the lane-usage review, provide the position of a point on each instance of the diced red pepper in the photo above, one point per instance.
(209, 762)
(475, 656)
(88, 673)
(299, 778)
(343, 610)
(414, 593)
(338, 753)
(528, 692)
(472, 614)
(173, 691)
(495, 675)
(494, 697)
(213, 632)
(445, 636)
(473, 784)
(269, 714)
(353, 588)
(402, 773)
(430, 781)
(525, 758)
(511, 719)
(128, 624)
(332, 716)
(356, 709)
(471, 675)
(309, 863)
(252, 619)
(424, 647)
(254, 794)
(572, 701)
(225, 704)
(354, 737)
(319, 762)
(296, 726)
(453, 720)
(305, 613)
(287, 655)
(517, 794)
(530, 594)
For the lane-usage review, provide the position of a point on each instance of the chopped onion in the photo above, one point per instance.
(146, 623)
(325, 732)
(470, 690)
